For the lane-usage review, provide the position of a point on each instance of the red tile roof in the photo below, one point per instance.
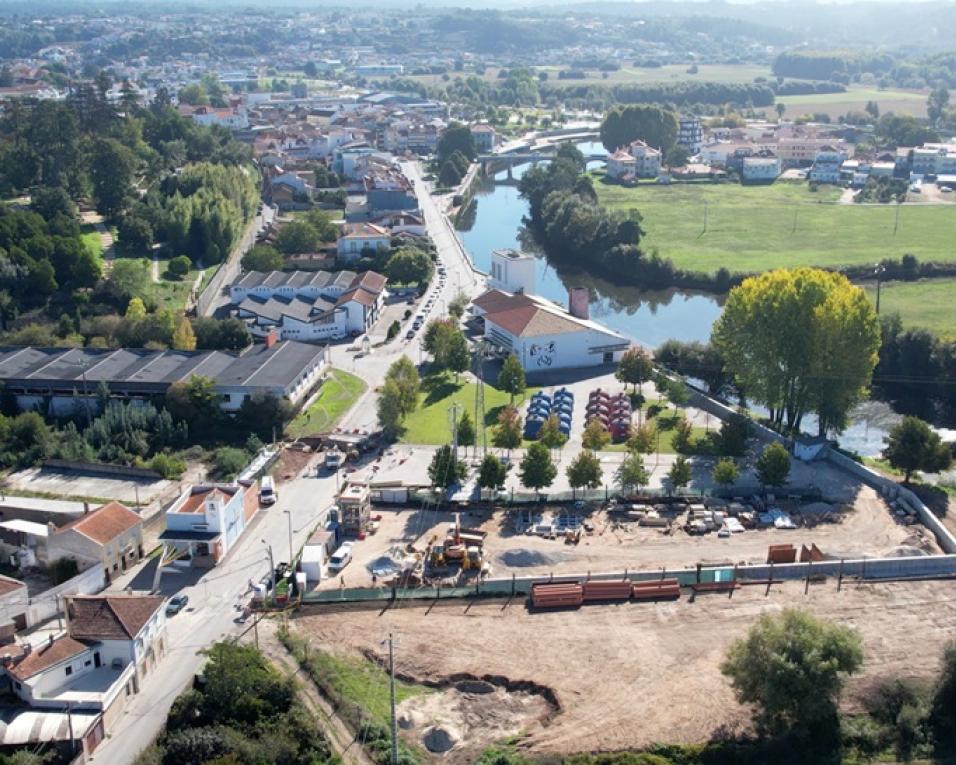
(496, 300)
(111, 617)
(194, 503)
(46, 656)
(8, 584)
(532, 321)
(105, 523)
(358, 295)
(369, 280)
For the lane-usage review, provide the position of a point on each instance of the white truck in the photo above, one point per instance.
(267, 491)
(341, 557)
(334, 459)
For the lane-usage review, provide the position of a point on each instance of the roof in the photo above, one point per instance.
(8, 584)
(482, 128)
(369, 280)
(363, 231)
(622, 156)
(171, 535)
(26, 527)
(295, 279)
(41, 726)
(496, 300)
(358, 295)
(298, 307)
(532, 321)
(104, 524)
(111, 617)
(195, 501)
(46, 656)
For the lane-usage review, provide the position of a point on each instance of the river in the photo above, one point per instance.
(495, 221)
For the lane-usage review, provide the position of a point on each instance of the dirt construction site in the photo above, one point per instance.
(616, 539)
(611, 677)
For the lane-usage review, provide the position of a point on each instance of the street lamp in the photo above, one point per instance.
(272, 566)
(878, 270)
(288, 515)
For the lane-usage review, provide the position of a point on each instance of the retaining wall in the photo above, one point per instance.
(47, 604)
(103, 468)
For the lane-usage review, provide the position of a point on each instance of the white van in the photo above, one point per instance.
(341, 557)
(267, 491)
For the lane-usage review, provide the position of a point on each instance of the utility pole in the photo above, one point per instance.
(391, 694)
(480, 400)
(453, 418)
(896, 224)
(288, 514)
(272, 567)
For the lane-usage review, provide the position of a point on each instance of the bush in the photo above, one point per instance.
(180, 265)
(228, 461)
(167, 466)
(63, 569)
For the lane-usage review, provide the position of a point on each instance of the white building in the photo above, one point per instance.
(827, 166)
(484, 137)
(234, 118)
(357, 238)
(690, 134)
(512, 271)
(648, 159)
(760, 169)
(621, 165)
(204, 523)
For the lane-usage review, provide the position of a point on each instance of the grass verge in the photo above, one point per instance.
(337, 395)
(923, 304)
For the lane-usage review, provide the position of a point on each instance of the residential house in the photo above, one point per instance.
(621, 166)
(760, 169)
(402, 223)
(110, 536)
(357, 238)
(648, 163)
(232, 117)
(802, 151)
(484, 137)
(205, 522)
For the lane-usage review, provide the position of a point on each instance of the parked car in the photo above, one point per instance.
(410, 334)
(176, 604)
(341, 557)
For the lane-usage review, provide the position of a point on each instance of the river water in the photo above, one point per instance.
(495, 221)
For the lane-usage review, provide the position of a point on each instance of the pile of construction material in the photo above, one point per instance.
(462, 547)
(572, 594)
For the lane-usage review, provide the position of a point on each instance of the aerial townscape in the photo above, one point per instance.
(477, 382)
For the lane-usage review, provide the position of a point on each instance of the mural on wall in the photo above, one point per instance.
(543, 355)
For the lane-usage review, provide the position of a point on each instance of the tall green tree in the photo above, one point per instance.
(595, 436)
(680, 474)
(262, 257)
(112, 169)
(536, 470)
(466, 430)
(550, 435)
(773, 465)
(725, 472)
(406, 377)
(800, 340)
(456, 137)
(791, 667)
(388, 408)
(656, 126)
(936, 104)
(511, 378)
(507, 434)
(584, 472)
(445, 470)
(631, 474)
(492, 473)
(635, 367)
(913, 445)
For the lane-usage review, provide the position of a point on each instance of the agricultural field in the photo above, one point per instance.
(854, 100)
(924, 304)
(755, 228)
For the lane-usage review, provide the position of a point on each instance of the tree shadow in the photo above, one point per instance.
(439, 387)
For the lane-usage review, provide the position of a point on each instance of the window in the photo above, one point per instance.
(17, 686)
(69, 671)
(87, 662)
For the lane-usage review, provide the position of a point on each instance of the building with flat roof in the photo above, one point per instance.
(64, 378)
(205, 522)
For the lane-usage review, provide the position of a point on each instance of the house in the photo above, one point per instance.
(204, 523)
(827, 166)
(484, 137)
(67, 377)
(648, 160)
(760, 169)
(802, 151)
(401, 223)
(232, 117)
(112, 642)
(357, 238)
(110, 536)
(690, 134)
(934, 159)
(319, 306)
(621, 166)
(391, 192)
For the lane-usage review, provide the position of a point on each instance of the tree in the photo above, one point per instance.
(550, 435)
(406, 377)
(262, 257)
(297, 237)
(725, 472)
(112, 167)
(507, 434)
(936, 104)
(459, 355)
(942, 716)
(492, 473)
(734, 433)
(321, 221)
(449, 176)
(445, 470)
(584, 472)
(595, 436)
(457, 306)
(642, 439)
(511, 378)
(683, 432)
(196, 402)
(631, 474)
(180, 265)
(51, 201)
(183, 337)
(456, 137)
(264, 414)
(135, 234)
(780, 107)
(680, 474)
(536, 470)
(466, 430)
(438, 341)
(873, 109)
(913, 445)
(799, 340)
(653, 125)
(791, 667)
(135, 310)
(409, 265)
(129, 278)
(635, 367)
(389, 409)
(773, 465)
(677, 157)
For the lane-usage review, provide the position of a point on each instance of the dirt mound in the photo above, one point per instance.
(522, 558)
(439, 739)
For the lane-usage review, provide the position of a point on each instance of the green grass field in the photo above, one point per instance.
(756, 228)
(855, 99)
(926, 304)
(429, 423)
(91, 238)
(337, 395)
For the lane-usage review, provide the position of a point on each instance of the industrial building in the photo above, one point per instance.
(59, 380)
(542, 334)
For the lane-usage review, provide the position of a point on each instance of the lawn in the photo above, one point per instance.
(337, 395)
(855, 99)
(665, 422)
(755, 228)
(429, 423)
(927, 304)
(91, 238)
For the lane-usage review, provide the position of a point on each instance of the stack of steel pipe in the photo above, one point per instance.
(598, 591)
(557, 595)
(656, 589)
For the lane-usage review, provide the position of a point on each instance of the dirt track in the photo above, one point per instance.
(629, 675)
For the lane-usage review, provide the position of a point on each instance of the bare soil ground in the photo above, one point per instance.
(866, 528)
(627, 675)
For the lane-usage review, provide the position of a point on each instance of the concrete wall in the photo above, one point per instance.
(47, 604)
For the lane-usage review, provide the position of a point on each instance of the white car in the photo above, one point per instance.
(341, 557)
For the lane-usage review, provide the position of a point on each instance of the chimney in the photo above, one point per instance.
(578, 299)
(272, 338)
